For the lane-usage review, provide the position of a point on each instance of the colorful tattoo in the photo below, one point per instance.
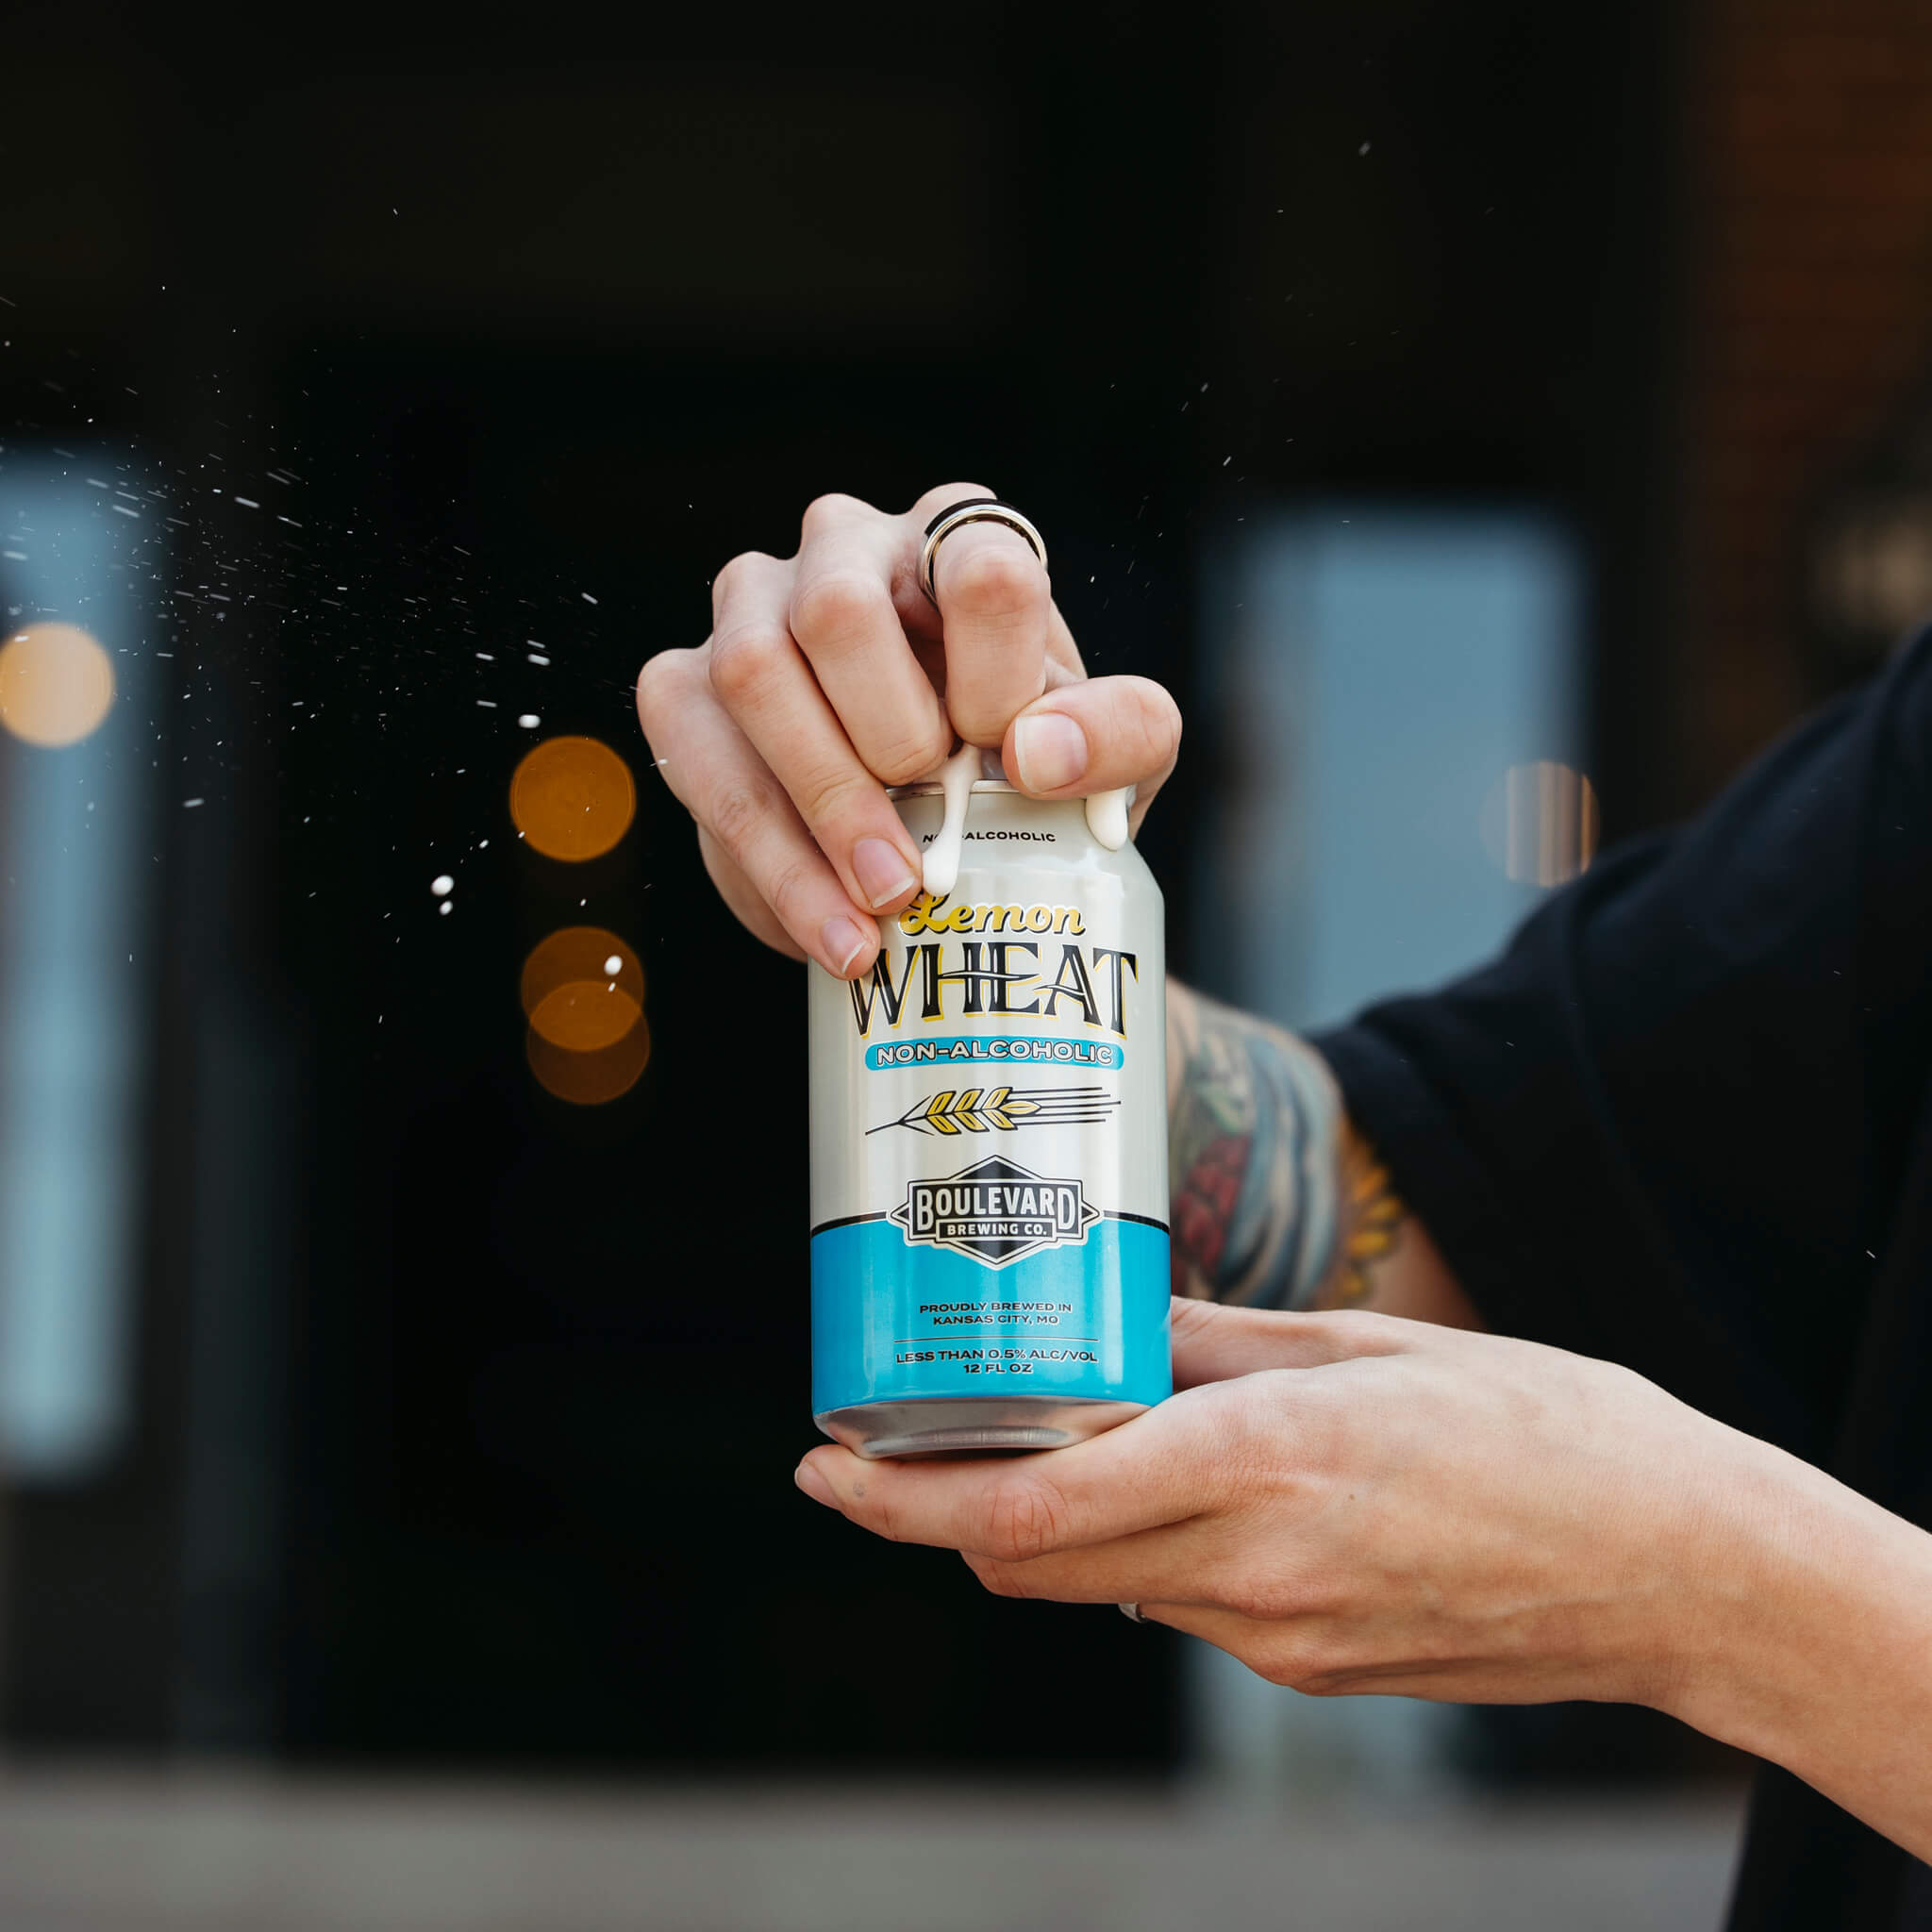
(1254, 1148)
(1375, 1214)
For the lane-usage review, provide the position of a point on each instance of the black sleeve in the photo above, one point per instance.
(1668, 1125)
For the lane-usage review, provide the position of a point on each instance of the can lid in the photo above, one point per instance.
(1107, 812)
(931, 788)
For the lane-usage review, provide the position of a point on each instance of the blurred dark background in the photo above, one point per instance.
(458, 1419)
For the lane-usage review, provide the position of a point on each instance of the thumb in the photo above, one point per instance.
(1099, 735)
(1213, 1343)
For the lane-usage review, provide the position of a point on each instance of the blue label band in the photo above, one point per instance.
(891, 1321)
(963, 1048)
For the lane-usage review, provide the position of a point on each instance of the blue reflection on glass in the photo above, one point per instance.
(1384, 670)
(73, 832)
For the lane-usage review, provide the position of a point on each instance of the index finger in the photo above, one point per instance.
(1162, 1467)
(1214, 1342)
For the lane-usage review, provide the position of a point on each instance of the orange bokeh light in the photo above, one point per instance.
(585, 1015)
(590, 1079)
(573, 798)
(583, 992)
(580, 956)
(56, 684)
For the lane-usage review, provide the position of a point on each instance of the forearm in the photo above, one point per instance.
(1795, 1616)
(1806, 1638)
(1278, 1202)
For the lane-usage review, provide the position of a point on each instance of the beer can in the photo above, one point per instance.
(989, 1148)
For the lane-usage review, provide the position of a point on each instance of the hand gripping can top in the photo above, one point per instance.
(989, 1148)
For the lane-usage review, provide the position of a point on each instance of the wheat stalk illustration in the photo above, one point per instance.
(979, 1110)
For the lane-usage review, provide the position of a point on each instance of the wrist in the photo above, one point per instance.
(1802, 1633)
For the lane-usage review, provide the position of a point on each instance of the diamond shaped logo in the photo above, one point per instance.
(995, 1211)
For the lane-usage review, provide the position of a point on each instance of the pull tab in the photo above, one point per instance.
(941, 868)
(1106, 818)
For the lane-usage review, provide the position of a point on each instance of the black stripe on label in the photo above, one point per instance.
(1112, 1214)
(848, 1221)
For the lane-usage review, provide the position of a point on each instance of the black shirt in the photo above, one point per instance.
(1682, 1124)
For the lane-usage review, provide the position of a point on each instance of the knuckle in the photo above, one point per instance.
(1285, 1661)
(743, 662)
(738, 812)
(788, 886)
(1001, 1579)
(663, 682)
(833, 508)
(1025, 1518)
(738, 575)
(943, 495)
(1144, 723)
(997, 580)
(1290, 1654)
(1193, 1321)
(837, 607)
(826, 799)
(1160, 729)
(1327, 1661)
(910, 757)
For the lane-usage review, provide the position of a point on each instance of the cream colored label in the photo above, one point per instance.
(1007, 1046)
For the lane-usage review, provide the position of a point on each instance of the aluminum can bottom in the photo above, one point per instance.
(971, 1425)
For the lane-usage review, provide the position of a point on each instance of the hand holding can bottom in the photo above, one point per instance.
(1349, 1502)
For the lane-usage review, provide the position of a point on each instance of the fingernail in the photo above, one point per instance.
(1049, 750)
(845, 943)
(883, 873)
(808, 1479)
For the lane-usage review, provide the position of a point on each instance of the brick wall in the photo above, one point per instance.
(1808, 273)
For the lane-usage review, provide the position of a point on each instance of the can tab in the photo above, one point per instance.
(1106, 818)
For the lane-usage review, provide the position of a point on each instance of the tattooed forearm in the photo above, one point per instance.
(1252, 1127)
(1276, 1202)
